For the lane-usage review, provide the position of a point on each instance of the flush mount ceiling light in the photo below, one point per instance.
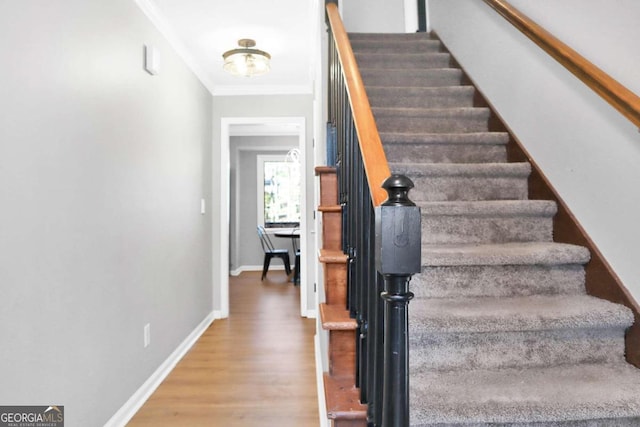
(246, 61)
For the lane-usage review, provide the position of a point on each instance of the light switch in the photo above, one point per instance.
(203, 208)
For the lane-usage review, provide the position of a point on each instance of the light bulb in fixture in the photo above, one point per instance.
(246, 61)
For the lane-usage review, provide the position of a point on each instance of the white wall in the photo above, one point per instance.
(366, 16)
(102, 168)
(590, 153)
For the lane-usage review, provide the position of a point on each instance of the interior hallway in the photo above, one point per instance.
(255, 368)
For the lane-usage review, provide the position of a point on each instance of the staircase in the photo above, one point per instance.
(502, 331)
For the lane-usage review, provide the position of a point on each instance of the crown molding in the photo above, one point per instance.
(263, 90)
(160, 22)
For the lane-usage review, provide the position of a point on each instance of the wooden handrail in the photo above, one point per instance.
(621, 98)
(373, 156)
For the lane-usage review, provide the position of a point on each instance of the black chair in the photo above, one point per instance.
(271, 252)
(296, 268)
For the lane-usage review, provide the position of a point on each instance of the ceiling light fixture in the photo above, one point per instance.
(246, 61)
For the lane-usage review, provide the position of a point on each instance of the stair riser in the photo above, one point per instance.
(335, 284)
(515, 349)
(388, 62)
(443, 153)
(328, 189)
(473, 229)
(452, 124)
(374, 46)
(398, 78)
(408, 98)
(618, 422)
(498, 281)
(332, 230)
(468, 188)
(383, 37)
(342, 353)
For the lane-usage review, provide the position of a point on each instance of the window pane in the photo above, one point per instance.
(281, 194)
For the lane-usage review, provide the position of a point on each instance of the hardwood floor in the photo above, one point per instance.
(255, 368)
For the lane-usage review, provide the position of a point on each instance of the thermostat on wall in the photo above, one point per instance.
(151, 60)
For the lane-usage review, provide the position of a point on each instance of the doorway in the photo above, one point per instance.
(231, 126)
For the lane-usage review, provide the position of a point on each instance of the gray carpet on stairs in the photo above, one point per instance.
(502, 332)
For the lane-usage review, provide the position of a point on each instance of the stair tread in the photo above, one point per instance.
(549, 394)
(408, 112)
(390, 36)
(493, 138)
(326, 169)
(343, 399)
(525, 313)
(501, 208)
(462, 169)
(521, 253)
(336, 318)
(403, 57)
(418, 90)
(405, 45)
(330, 208)
(333, 256)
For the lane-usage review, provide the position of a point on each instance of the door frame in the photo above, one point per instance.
(224, 200)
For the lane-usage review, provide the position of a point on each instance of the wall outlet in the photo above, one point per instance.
(147, 335)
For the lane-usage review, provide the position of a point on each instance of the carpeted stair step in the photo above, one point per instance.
(548, 253)
(497, 333)
(417, 97)
(500, 270)
(382, 37)
(502, 332)
(481, 147)
(474, 181)
(499, 221)
(582, 395)
(498, 280)
(434, 77)
(412, 45)
(432, 120)
(387, 61)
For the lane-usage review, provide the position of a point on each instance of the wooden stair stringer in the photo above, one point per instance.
(342, 397)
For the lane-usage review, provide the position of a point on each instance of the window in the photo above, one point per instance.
(278, 192)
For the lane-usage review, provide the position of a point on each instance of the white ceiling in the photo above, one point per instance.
(202, 30)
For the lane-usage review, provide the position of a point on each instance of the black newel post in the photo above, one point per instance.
(398, 247)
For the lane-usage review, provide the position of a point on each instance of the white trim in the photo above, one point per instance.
(248, 90)
(322, 404)
(225, 207)
(162, 25)
(426, 8)
(410, 16)
(244, 268)
(135, 402)
(224, 203)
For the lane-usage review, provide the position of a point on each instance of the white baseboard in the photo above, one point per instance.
(242, 268)
(322, 404)
(135, 402)
(311, 314)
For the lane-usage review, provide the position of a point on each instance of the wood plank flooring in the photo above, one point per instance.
(255, 368)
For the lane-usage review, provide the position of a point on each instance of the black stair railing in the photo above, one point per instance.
(381, 236)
